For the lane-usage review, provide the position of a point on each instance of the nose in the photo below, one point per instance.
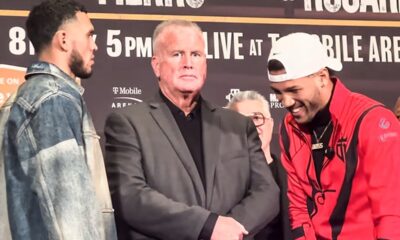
(187, 61)
(94, 45)
(259, 130)
(286, 100)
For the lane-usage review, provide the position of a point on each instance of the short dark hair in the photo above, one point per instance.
(45, 19)
(275, 65)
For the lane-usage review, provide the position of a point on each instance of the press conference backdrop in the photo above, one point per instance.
(364, 34)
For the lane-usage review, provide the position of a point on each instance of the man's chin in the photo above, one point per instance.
(84, 75)
(301, 120)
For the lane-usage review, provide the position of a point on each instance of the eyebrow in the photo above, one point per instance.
(291, 88)
(288, 89)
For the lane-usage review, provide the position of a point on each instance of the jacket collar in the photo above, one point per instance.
(157, 100)
(51, 69)
(339, 98)
(211, 134)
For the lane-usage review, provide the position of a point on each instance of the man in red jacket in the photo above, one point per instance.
(341, 149)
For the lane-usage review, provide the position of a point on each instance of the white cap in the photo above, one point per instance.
(301, 54)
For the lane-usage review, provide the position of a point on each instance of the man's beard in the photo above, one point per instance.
(76, 65)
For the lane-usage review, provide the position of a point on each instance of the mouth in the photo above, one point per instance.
(188, 77)
(297, 111)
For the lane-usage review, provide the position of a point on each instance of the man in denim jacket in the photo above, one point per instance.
(55, 176)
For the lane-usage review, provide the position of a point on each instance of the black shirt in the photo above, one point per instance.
(191, 130)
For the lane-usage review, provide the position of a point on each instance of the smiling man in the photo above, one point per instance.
(341, 149)
(179, 167)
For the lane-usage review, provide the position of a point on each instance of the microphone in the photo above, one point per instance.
(329, 153)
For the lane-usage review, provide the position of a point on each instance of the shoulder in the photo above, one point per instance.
(228, 113)
(41, 89)
(359, 103)
(135, 114)
(229, 117)
(380, 119)
(132, 111)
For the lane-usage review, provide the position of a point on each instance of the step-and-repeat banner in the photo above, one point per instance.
(364, 34)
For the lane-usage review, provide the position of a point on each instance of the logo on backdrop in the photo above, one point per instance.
(10, 78)
(231, 93)
(125, 96)
(351, 7)
(274, 102)
(157, 3)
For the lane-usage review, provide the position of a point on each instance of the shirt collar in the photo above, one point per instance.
(51, 69)
(196, 111)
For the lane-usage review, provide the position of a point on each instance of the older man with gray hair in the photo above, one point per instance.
(254, 105)
(180, 167)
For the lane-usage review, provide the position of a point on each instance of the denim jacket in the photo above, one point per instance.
(55, 176)
(4, 224)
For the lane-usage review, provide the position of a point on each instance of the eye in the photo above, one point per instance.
(196, 54)
(275, 91)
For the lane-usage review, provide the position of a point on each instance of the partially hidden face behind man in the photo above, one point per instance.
(179, 60)
(261, 116)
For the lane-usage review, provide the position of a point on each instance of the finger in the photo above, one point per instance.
(243, 229)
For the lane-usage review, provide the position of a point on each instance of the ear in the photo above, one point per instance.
(323, 77)
(155, 64)
(60, 40)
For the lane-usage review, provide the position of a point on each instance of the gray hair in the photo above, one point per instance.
(168, 23)
(248, 95)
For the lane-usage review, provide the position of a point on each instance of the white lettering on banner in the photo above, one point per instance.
(274, 102)
(384, 49)
(225, 42)
(338, 47)
(349, 48)
(116, 44)
(229, 45)
(273, 37)
(158, 3)
(125, 96)
(127, 90)
(19, 42)
(255, 47)
(233, 45)
(9, 81)
(353, 6)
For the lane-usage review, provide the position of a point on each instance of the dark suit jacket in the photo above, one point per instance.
(155, 186)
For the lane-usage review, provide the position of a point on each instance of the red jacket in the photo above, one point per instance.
(359, 194)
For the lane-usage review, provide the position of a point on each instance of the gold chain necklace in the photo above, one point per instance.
(318, 144)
